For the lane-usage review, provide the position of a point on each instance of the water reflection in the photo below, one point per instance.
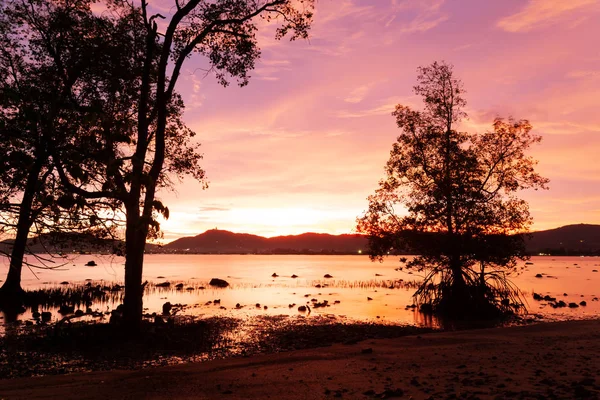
(358, 289)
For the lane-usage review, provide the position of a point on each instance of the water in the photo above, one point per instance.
(354, 280)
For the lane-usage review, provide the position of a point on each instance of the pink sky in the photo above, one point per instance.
(302, 146)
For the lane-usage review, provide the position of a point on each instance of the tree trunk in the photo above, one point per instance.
(12, 286)
(135, 244)
(11, 292)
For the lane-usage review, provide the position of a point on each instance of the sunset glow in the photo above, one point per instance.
(302, 146)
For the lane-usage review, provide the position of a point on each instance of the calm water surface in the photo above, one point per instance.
(355, 280)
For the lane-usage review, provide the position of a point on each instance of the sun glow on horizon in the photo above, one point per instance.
(302, 146)
(267, 222)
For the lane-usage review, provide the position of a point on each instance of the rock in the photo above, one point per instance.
(274, 275)
(294, 276)
(302, 308)
(378, 275)
(336, 302)
(583, 303)
(64, 283)
(163, 284)
(66, 309)
(189, 289)
(238, 306)
(318, 286)
(537, 297)
(79, 312)
(166, 308)
(594, 270)
(179, 286)
(528, 263)
(538, 276)
(91, 263)
(36, 315)
(549, 298)
(369, 299)
(46, 316)
(218, 282)
(265, 307)
(217, 301)
(564, 294)
(257, 305)
(160, 277)
(327, 276)
(573, 305)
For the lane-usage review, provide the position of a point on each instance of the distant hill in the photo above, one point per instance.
(71, 243)
(568, 240)
(581, 239)
(220, 241)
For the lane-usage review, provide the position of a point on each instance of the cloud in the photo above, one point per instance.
(579, 74)
(386, 107)
(380, 110)
(540, 13)
(213, 208)
(358, 94)
(428, 15)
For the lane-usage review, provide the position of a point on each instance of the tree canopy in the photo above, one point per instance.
(55, 57)
(224, 33)
(451, 197)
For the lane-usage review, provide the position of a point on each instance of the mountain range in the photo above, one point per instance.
(581, 239)
(571, 239)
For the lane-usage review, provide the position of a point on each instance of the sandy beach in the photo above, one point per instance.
(550, 360)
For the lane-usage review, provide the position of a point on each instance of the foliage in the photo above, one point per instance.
(224, 32)
(52, 70)
(450, 197)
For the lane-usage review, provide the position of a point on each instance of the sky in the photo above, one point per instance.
(302, 146)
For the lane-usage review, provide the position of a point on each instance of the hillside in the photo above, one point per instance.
(581, 239)
(219, 241)
(72, 243)
(567, 240)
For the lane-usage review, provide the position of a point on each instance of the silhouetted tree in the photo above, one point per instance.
(450, 196)
(224, 32)
(51, 70)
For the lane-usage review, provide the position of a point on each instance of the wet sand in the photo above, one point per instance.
(553, 360)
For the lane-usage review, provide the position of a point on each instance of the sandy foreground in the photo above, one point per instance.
(552, 360)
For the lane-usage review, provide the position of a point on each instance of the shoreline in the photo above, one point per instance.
(554, 360)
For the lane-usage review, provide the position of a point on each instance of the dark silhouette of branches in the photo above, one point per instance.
(450, 196)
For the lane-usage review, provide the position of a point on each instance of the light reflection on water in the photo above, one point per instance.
(354, 280)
